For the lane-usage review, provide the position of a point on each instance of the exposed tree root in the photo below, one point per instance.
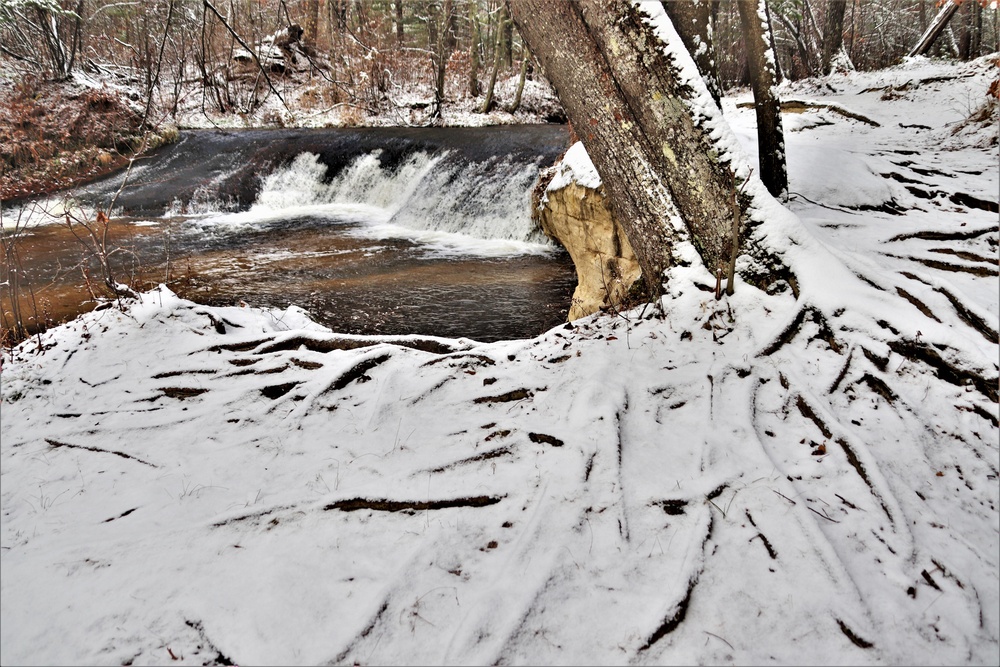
(980, 271)
(982, 412)
(767, 545)
(843, 372)
(342, 656)
(485, 456)
(849, 453)
(673, 507)
(917, 303)
(331, 344)
(542, 438)
(181, 393)
(855, 639)
(516, 395)
(918, 351)
(788, 333)
(120, 516)
(274, 392)
(963, 199)
(355, 504)
(943, 236)
(220, 658)
(56, 444)
(963, 254)
(358, 371)
(970, 318)
(472, 360)
(890, 207)
(878, 386)
(197, 371)
(671, 622)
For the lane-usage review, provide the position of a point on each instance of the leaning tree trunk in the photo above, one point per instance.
(634, 110)
(833, 32)
(760, 57)
(936, 27)
(693, 21)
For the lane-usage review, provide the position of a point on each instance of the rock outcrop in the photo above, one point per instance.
(572, 210)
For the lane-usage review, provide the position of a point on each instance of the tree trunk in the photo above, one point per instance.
(399, 22)
(693, 23)
(520, 82)
(507, 44)
(311, 21)
(442, 52)
(935, 29)
(770, 138)
(634, 113)
(833, 32)
(972, 29)
(497, 59)
(474, 52)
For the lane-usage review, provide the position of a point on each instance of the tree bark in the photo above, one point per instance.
(633, 111)
(503, 20)
(833, 32)
(311, 21)
(442, 52)
(400, 35)
(522, 75)
(760, 58)
(507, 43)
(693, 22)
(474, 52)
(935, 29)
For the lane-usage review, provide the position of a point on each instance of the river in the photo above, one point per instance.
(372, 231)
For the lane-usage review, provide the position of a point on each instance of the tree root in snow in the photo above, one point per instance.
(855, 639)
(928, 354)
(354, 504)
(56, 444)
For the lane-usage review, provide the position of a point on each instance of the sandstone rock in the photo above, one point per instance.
(578, 217)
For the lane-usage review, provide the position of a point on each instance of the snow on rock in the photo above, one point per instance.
(575, 167)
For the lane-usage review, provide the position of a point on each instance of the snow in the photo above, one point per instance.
(688, 487)
(575, 167)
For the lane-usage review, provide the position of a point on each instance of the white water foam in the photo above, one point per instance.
(447, 206)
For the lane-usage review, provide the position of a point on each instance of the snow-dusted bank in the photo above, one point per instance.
(723, 481)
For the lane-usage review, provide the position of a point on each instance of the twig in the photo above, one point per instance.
(719, 638)
(822, 515)
(784, 496)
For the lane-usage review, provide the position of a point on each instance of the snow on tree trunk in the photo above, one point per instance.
(640, 118)
(935, 29)
(760, 57)
(833, 35)
(693, 21)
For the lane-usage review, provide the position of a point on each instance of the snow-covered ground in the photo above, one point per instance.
(761, 479)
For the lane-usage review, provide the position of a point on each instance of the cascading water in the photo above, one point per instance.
(436, 199)
(372, 231)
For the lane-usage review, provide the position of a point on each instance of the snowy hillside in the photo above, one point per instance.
(745, 480)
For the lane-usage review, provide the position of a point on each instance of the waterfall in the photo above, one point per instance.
(424, 192)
